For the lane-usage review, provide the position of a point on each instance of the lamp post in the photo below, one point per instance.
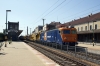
(93, 33)
(6, 27)
(6, 19)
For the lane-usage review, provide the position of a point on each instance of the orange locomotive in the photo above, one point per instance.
(69, 36)
(61, 36)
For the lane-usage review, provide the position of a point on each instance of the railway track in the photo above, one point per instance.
(92, 57)
(60, 57)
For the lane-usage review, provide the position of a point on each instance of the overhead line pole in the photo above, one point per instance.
(27, 30)
(30, 31)
(43, 21)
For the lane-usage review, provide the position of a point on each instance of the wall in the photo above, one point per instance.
(80, 26)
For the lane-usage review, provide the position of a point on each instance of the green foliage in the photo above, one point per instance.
(2, 36)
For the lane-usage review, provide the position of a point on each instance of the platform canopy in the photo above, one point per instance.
(19, 32)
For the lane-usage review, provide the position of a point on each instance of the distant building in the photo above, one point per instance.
(51, 26)
(48, 27)
(55, 23)
(61, 25)
(13, 30)
(37, 29)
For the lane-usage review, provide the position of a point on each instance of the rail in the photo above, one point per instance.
(60, 57)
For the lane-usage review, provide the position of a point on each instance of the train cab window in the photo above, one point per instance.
(59, 31)
(73, 31)
(66, 31)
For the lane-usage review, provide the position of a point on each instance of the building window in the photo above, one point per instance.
(16, 27)
(78, 28)
(81, 28)
(90, 27)
(95, 26)
(86, 28)
(11, 27)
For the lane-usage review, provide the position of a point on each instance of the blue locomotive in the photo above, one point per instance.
(61, 36)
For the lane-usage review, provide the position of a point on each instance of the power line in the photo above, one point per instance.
(64, 5)
(73, 6)
(84, 10)
(50, 7)
(46, 10)
(52, 10)
(55, 8)
(84, 14)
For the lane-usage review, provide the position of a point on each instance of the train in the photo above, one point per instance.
(60, 36)
(22, 38)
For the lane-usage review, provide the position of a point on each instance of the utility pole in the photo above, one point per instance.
(43, 21)
(30, 31)
(93, 33)
(27, 30)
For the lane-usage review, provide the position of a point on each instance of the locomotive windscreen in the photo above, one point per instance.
(73, 31)
(66, 31)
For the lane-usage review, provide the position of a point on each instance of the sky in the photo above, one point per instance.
(31, 12)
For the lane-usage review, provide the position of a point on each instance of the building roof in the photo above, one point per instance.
(61, 25)
(55, 23)
(13, 22)
(89, 18)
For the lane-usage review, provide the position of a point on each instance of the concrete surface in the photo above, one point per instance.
(20, 54)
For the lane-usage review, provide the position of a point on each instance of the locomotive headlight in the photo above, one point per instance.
(65, 38)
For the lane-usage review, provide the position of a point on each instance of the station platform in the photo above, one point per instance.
(91, 48)
(20, 54)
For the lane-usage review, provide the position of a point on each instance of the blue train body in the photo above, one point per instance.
(61, 36)
(52, 36)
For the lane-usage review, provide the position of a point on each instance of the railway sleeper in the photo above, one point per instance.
(58, 52)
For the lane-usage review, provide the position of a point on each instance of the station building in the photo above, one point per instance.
(88, 28)
(13, 30)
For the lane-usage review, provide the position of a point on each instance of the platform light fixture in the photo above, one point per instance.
(6, 18)
(6, 25)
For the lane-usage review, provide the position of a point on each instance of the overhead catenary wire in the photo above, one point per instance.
(82, 11)
(73, 6)
(55, 8)
(83, 14)
(51, 11)
(78, 12)
(46, 11)
(67, 4)
(62, 7)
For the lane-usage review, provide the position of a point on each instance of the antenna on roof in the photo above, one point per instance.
(91, 14)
